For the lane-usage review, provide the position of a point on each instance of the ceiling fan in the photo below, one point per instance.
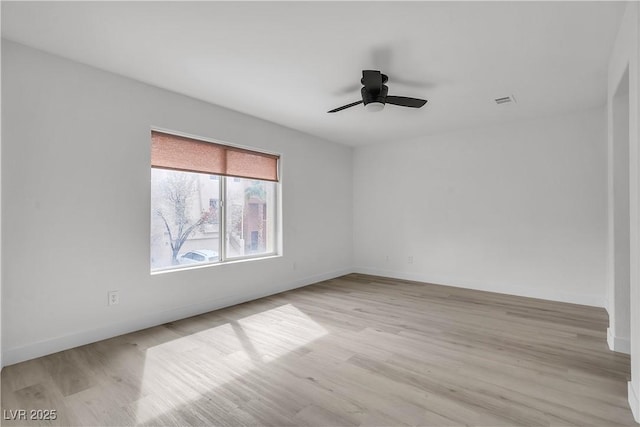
(374, 94)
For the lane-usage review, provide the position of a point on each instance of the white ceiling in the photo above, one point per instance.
(290, 62)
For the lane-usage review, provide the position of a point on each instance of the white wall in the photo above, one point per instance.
(517, 208)
(618, 259)
(1, 346)
(626, 56)
(75, 163)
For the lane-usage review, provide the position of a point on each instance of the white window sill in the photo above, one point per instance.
(174, 268)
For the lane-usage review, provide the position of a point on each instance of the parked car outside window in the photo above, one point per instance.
(198, 256)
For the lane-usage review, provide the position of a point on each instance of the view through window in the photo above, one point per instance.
(199, 218)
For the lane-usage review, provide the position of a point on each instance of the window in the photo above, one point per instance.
(210, 203)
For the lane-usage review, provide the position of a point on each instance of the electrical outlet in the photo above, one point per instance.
(410, 260)
(295, 265)
(386, 258)
(113, 298)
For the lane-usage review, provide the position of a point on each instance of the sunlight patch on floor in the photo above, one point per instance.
(274, 333)
(205, 360)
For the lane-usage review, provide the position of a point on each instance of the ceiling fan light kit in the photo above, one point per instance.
(374, 107)
(374, 94)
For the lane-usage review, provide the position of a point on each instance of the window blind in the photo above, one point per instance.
(192, 155)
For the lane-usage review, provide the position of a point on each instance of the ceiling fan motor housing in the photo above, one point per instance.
(368, 97)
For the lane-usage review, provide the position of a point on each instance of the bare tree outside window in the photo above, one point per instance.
(176, 200)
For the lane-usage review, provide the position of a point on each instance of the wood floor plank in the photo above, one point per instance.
(352, 351)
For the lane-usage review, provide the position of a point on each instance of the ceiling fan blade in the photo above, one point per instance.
(372, 80)
(403, 101)
(344, 107)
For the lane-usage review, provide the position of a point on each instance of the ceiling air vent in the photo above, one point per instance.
(505, 100)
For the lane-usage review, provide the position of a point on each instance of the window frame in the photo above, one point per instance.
(222, 206)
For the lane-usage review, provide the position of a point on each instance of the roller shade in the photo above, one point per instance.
(192, 155)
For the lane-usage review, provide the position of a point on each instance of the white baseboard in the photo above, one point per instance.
(53, 345)
(611, 340)
(618, 344)
(634, 402)
(573, 298)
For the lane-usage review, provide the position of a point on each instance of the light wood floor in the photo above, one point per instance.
(357, 350)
